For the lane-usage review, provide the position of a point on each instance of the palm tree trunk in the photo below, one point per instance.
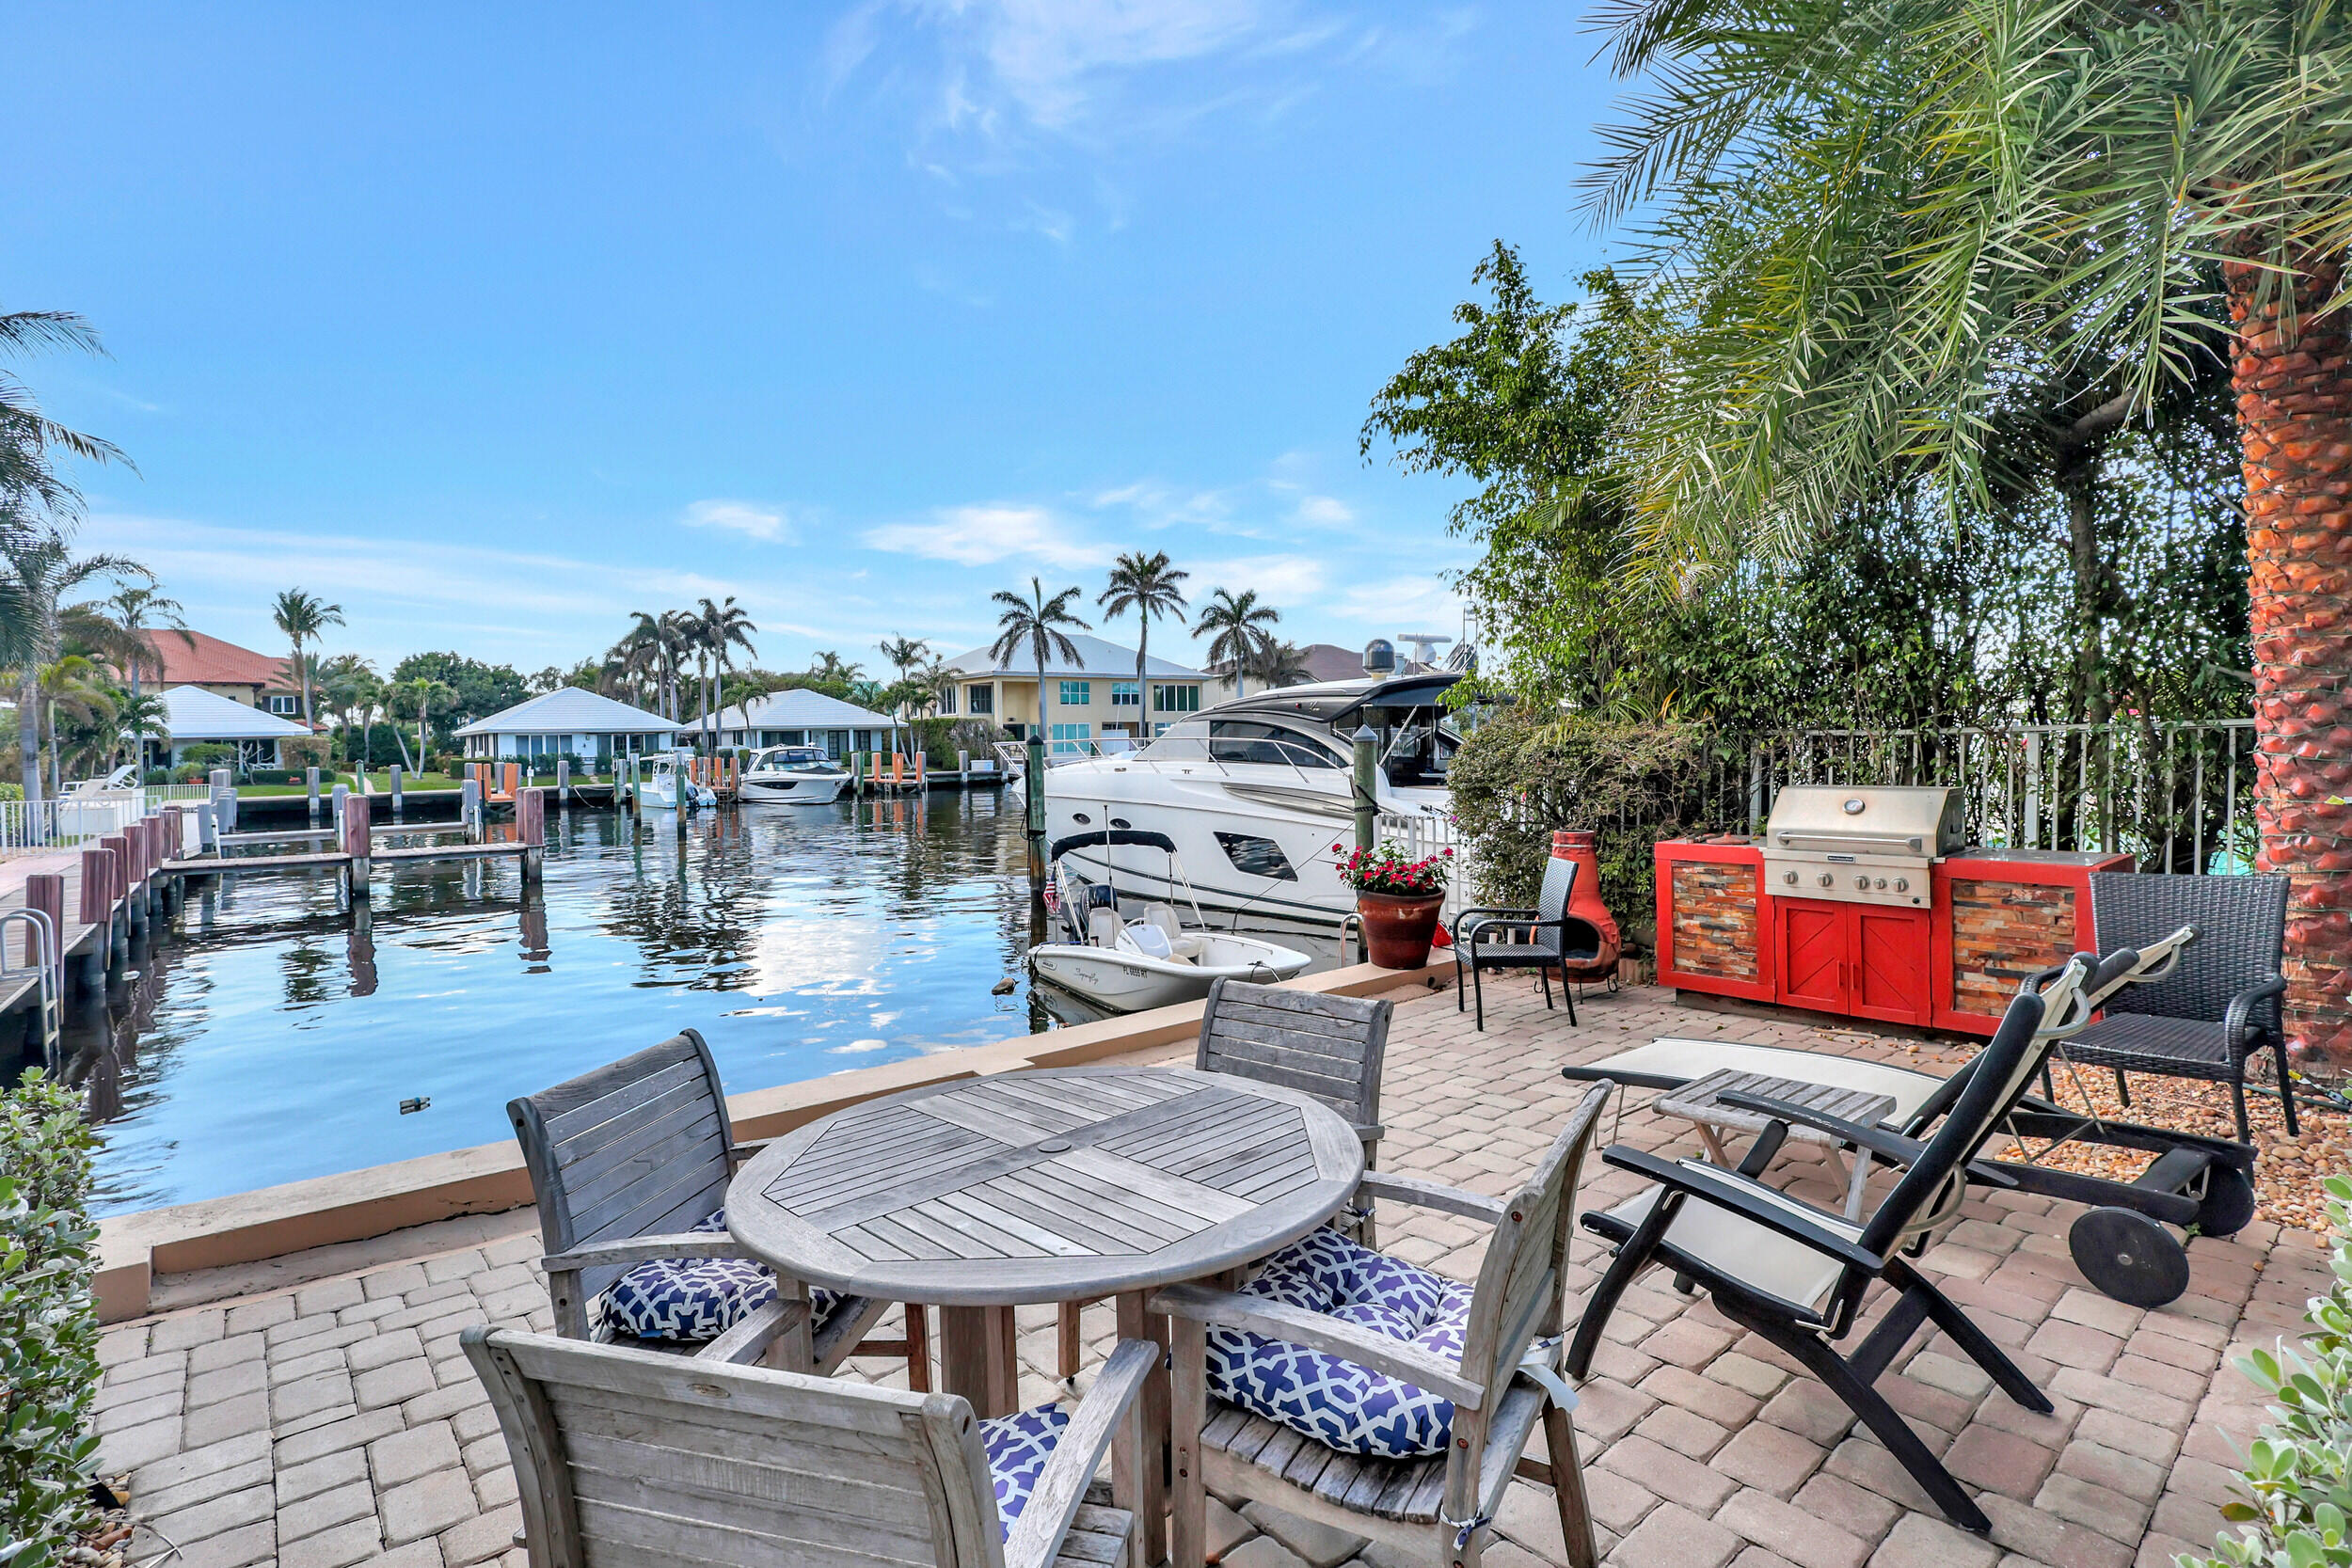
(1143, 691)
(28, 734)
(2295, 417)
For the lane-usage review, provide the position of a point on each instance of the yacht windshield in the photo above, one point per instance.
(1416, 745)
(1251, 740)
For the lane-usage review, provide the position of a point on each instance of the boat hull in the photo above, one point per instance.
(1131, 982)
(818, 789)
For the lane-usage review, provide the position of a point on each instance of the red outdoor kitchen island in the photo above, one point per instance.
(1857, 901)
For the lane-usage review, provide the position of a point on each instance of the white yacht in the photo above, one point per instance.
(792, 776)
(1255, 793)
(666, 784)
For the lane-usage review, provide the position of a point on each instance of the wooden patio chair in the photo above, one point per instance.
(1542, 938)
(631, 1164)
(622, 1457)
(1477, 1409)
(1330, 1047)
(2219, 1006)
(1796, 1273)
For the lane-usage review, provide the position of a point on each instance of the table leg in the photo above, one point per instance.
(1715, 1145)
(1140, 1480)
(1855, 1196)
(976, 1357)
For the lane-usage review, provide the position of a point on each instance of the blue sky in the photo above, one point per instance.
(495, 323)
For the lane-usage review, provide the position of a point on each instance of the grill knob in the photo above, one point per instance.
(1788, 877)
(1826, 878)
(1880, 884)
(1902, 884)
(1862, 884)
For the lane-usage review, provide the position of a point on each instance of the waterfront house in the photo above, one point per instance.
(242, 675)
(799, 717)
(1095, 696)
(196, 716)
(570, 721)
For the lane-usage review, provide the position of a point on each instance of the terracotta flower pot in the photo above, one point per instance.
(1397, 931)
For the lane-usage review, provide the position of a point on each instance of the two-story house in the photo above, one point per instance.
(225, 670)
(1094, 696)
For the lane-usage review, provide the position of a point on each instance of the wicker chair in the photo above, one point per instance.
(2219, 1007)
(1542, 938)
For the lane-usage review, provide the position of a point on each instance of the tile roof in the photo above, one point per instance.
(202, 659)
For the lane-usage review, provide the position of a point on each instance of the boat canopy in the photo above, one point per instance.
(1338, 702)
(1107, 837)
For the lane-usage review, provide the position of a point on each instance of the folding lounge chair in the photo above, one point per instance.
(1796, 1274)
(2120, 1245)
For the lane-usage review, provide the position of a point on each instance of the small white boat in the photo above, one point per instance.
(666, 784)
(1129, 955)
(792, 776)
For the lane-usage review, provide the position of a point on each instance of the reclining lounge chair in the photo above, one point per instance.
(1797, 1275)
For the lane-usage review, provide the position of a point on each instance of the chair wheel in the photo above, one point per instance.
(2129, 1257)
(2230, 1202)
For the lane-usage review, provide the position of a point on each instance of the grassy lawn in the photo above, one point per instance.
(382, 779)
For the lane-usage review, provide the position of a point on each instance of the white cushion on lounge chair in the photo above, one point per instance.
(1674, 1057)
(1745, 1250)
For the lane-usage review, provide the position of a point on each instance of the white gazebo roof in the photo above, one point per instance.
(196, 714)
(798, 708)
(572, 710)
(1096, 657)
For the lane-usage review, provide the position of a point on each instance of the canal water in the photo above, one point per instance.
(271, 1034)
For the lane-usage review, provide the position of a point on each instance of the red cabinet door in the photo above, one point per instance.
(1889, 949)
(1813, 936)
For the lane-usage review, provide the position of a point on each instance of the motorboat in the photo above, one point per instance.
(1126, 955)
(668, 783)
(791, 776)
(1256, 793)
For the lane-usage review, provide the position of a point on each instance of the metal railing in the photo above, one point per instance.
(2175, 794)
(85, 816)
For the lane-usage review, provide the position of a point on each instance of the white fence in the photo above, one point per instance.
(76, 819)
(1419, 834)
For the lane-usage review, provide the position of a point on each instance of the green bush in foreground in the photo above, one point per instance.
(2295, 1473)
(48, 1324)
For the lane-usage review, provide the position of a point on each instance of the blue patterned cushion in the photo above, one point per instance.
(1018, 1447)
(698, 1298)
(1337, 1403)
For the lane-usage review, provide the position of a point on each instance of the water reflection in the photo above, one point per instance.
(271, 1028)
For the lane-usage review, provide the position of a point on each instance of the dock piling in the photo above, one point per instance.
(359, 843)
(310, 777)
(98, 875)
(45, 891)
(396, 800)
(564, 781)
(1033, 799)
(530, 826)
(469, 806)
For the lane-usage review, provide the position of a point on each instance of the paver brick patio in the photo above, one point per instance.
(335, 1421)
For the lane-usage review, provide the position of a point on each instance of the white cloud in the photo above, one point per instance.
(1420, 603)
(1324, 512)
(1286, 582)
(749, 518)
(984, 534)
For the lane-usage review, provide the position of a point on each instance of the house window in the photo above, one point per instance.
(278, 704)
(1126, 694)
(947, 699)
(1175, 698)
(1073, 739)
(983, 699)
(1077, 693)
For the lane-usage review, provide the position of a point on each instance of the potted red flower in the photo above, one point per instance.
(1398, 899)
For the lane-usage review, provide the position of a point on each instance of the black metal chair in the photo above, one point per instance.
(2219, 1007)
(1796, 1274)
(1548, 937)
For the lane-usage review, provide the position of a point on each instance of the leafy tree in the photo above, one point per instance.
(1236, 629)
(477, 690)
(301, 617)
(715, 632)
(1150, 586)
(38, 569)
(1281, 663)
(1033, 625)
(419, 697)
(29, 480)
(121, 630)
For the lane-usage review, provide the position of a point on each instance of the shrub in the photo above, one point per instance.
(12, 791)
(48, 1324)
(1522, 774)
(2295, 1473)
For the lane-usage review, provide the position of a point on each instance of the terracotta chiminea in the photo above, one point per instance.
(1584, 903)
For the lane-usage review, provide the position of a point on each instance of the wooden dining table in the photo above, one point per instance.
(1067, 1184)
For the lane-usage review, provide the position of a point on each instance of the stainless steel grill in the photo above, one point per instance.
(1864, 844)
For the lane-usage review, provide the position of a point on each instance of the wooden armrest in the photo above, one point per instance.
(748, 1341)
(741, 1154)
(644, 1250)
(1431, 1194)
(1372, 1133)
(1276, 1320)
(1061, 1486)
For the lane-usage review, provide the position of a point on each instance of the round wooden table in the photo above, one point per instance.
(1067, 1184)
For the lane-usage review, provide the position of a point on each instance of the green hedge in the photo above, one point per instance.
(2297, 1491)
(48, 1324)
